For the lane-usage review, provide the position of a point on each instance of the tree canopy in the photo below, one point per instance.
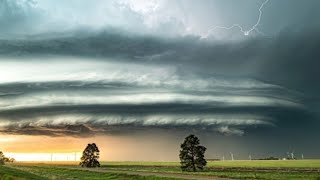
(90, 156)
(192, 154)
(4, 159)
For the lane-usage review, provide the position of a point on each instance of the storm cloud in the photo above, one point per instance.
(290, 54)
(157, 71)
(106, 94)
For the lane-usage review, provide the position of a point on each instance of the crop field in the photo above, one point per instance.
(299, 169)
(256, 169)
(61, 172)
(238, 163)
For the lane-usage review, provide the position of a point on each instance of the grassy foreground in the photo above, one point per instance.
(273, 170)
(7, 173)
(62, 172)
(256, 169)
(238, 163)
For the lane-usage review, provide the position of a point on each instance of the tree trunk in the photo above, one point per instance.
(193, 163)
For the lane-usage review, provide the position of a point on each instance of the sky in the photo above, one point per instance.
(136, 77)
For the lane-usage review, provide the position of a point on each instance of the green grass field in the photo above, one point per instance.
(62, 172)
(7, 173)
(238, 163)
(267, 164)
(256, 169)
(273, 170)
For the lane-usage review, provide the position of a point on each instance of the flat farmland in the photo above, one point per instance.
(255, 169)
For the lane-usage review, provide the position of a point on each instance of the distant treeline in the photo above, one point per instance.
(268, 158)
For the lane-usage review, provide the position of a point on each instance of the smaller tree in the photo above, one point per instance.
(192, 154)
(9, 160)
(2, 158)
(90, 156)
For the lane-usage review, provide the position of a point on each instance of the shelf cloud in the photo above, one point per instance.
(91, 68)
(80, 98)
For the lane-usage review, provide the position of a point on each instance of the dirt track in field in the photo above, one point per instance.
(159, 174)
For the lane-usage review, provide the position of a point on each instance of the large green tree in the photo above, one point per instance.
(90, 156)
(192, 154)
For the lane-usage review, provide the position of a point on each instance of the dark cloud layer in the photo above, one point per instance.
(241, 107)
(288, 59)
(112, 80)
(270, 60)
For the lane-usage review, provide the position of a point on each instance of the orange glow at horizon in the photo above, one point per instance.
(112, 148)
(45, 156)
(41, 144)
(41, 148)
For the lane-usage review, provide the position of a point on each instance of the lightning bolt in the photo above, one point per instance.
(245, 32)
